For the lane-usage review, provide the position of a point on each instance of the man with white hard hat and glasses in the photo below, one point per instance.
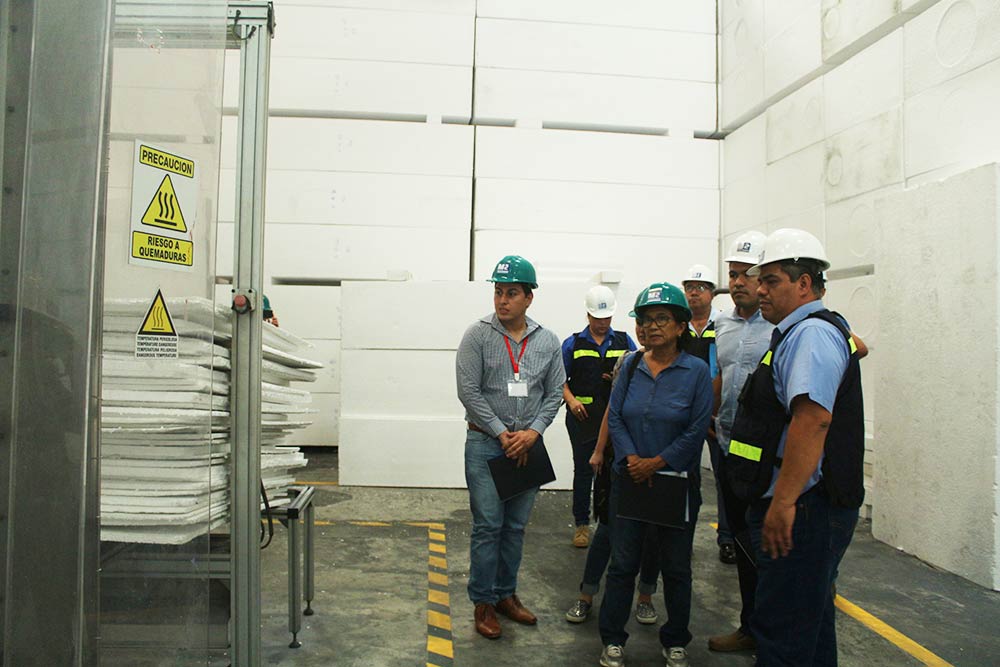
(589, 357)
(796, 454)
(510, 377)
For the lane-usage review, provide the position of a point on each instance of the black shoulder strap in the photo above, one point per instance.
(633, 364)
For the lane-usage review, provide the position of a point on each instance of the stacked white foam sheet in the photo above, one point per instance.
(577, 203)
(371, 59)
(952, 64)
(646, 65)
(936, 475)
(741, 71)
(402, 423)
(351, 199)
(164, 445)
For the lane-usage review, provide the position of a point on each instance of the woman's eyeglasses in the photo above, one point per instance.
(658, 320)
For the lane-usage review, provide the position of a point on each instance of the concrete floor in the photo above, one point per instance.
(371, 583)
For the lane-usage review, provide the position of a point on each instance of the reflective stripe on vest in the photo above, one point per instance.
(743, 450)
(586, 400)
(586, 353)
(611, 354)
(766, 361)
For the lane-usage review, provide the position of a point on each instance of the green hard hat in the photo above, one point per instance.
(267, 303)
(514, 269)
(662, 294)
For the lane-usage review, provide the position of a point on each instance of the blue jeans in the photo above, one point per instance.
(583, 445)
(793, 621)
(600, 553)
(497, 526)
(724, 535)
(674, 553)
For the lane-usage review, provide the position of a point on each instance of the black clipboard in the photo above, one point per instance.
(664, 503)
(511, 480)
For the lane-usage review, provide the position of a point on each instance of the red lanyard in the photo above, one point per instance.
(516, 363)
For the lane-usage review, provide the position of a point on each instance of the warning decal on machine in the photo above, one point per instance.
(167, 161)
(164, 209)
(162, 248)
(156, 337)
(164, 196)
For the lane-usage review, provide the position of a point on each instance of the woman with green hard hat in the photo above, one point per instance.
(658, 415)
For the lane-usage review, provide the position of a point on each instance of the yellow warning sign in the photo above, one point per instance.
(162, 249)
(166, 161)
(164, 209)
(157, 321)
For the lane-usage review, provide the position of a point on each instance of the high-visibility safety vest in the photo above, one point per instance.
(589, 365)
(761, 418)
(701, 345)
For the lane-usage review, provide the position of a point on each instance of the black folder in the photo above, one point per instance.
(664, 503)
(511, 480)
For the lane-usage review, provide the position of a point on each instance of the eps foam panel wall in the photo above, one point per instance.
(678, 15)
(744, 204)
(400, 383)
(311, 311)
(323, 432)
(936, 473)
(568, 207)
(865, 157)
(852, 235)
(795, 183)
(794, 52)
(853, 23)
(745, 151)
(868, 84)
(796, 121)
(327, 378)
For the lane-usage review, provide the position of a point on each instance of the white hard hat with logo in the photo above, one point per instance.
(600, 301)
(700, 273)
(791, 245)
(747, 248)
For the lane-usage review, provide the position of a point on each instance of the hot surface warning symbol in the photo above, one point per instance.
(156, 337)
(164, 209)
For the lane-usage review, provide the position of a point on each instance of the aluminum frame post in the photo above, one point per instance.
(252, 24)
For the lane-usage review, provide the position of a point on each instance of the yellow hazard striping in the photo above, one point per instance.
(890, 634)
(438, 620)
(440, 646)
(369, 523)
(437, 548)
(437, 562)
(302, 483)
(439, 597)
(155, 248)
(436, 536)
(166, 161)
(425, 524)
(436, 578)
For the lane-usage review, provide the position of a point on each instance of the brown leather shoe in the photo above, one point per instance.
(513, 609)
(734, 641)
(486, 621)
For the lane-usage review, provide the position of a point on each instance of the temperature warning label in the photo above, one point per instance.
(164, 202)
(157, 336)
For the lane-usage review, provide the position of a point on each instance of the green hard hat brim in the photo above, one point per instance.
(513, 281)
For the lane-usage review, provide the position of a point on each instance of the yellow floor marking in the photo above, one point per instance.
(322, 523)
(714, 525)
(440, 646)
(369, 523)
(436, 536)
(302, 483)
(437, 548)
(439, 620)
(425, 524)
(439, 597)
(437, 562)
(891, 634)
(439, 579)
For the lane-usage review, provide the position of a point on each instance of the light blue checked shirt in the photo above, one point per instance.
(483, 369)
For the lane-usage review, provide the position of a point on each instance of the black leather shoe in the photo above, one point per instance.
(727, 554)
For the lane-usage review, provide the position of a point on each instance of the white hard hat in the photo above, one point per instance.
(747, 248)
(700, 273)
(600, 301)
(791, 244)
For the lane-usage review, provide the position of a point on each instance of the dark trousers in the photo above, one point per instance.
(673, 546)
(793, 622)
(746, 566)
(583, 440)
(724, 533)
(600, 553)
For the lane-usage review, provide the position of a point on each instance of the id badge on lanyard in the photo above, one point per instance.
(518, 388)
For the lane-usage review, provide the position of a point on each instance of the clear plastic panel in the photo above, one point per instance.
(165, 371)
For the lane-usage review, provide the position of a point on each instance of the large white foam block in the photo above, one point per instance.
(744, 205)
(812, 220)
(938, 443)
(780, 15)
(504, 95)
(327, 253)
(868, 84)
(741, 92)
(595, 208)
(602, 157)
(408, 384)
(595, 49)
(742, 34)
(311, 311)
(328, 353)
(794, 53)
(659, 14)
(852, 231)
(855, 299)
(946, 125)
(339, 87)
(402, 452)
(795, 121)
(363, 34)
(847, 23)
(745, 151)
(641, 259)
(359, 199)
(795, 183)
(322, 144)
(323, 430)
(950, 39)
(865, 157)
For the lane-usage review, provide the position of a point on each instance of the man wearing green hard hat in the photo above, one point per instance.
(510, 377)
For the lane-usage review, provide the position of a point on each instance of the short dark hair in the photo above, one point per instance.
(682, 317)
(806, 267)
(524, 286)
